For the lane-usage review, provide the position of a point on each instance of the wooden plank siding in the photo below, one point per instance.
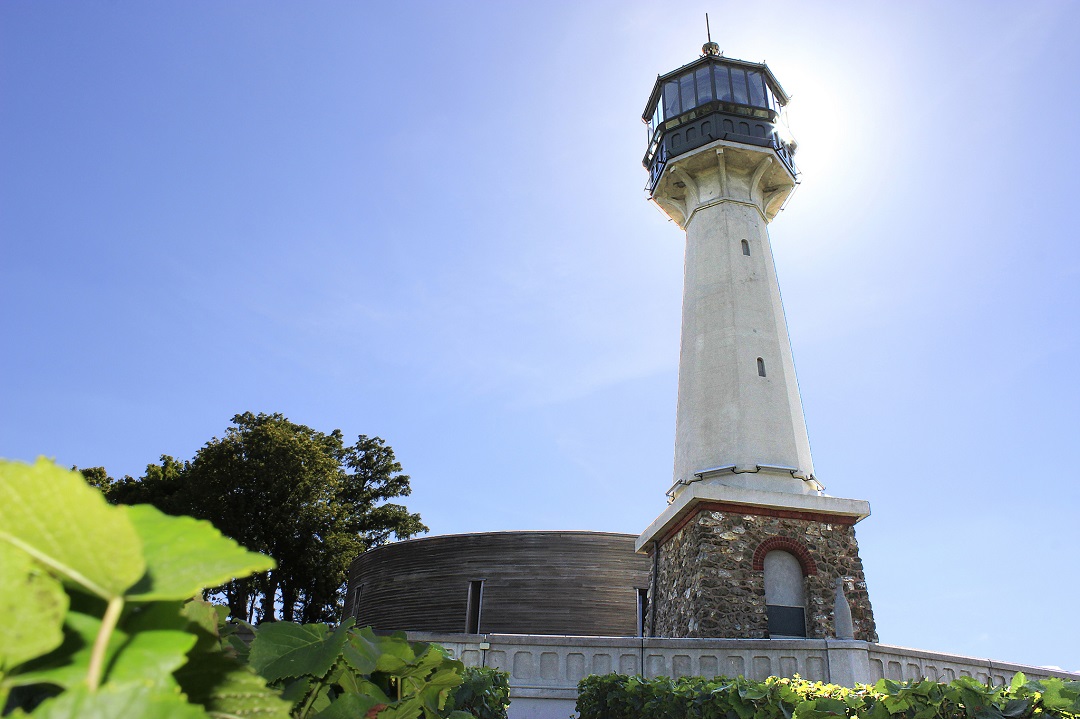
(543, 582)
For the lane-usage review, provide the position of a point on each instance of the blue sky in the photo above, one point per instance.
(426, 222)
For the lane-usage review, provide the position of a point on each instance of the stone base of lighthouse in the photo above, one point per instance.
(709, 554)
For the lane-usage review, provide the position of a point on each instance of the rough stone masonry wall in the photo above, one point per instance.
(707, 585)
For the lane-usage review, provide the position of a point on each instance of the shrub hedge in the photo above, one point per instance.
(615, 696)
(484, 692)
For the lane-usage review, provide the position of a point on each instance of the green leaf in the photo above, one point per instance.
(155, 615)
(365, 686)
(1018, 681)
(67, 665)
(32, 604)
(227, 688)
(1052, 696)
(238, 647)
(285, 649)
(348, 706)
(186, 555)
(56, 517)
(203, 615)
(831, 706)
(118, 700)
(895, 704)
(1015, 708)
(204, 621)
(296, 689)
(362, 650)
(150, 657)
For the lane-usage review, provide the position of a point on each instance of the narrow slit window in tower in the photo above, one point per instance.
(760, 367)
(746, 248)
(472, 616)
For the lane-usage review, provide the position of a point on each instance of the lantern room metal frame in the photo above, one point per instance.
(715, 98)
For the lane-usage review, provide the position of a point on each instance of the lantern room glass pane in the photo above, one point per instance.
(671, 99)
(738, 84)
(704, 85)
(757, 88)
(686, 92)
(723, 83)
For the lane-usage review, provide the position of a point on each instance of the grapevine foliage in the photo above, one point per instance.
(615, 696)
(103, 617)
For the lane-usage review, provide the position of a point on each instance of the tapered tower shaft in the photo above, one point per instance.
(739, 402)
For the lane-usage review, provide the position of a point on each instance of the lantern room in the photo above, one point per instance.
(714, 98)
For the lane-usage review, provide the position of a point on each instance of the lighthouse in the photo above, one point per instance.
(749, 544)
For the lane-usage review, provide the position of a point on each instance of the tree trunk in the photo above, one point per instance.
(288, 602)
(237, 595)
(269, 604)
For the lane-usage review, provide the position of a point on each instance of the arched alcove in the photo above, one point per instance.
(785, 594)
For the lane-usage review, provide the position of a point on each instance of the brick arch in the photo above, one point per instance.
(791, 546)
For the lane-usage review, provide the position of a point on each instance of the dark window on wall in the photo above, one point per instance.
(354, 602)
(746, 248)
(760, 367)
(476, 598)
(642, 610)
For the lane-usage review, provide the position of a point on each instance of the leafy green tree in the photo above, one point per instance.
(304, 497)
(96, 477)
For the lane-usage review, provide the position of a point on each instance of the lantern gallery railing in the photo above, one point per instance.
(709, 127)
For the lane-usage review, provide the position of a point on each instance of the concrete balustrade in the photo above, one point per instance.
(544, 670)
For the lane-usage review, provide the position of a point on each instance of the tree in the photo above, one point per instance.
(96, 477)
(297, 494)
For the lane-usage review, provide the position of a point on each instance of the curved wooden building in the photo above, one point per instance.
(541, 582)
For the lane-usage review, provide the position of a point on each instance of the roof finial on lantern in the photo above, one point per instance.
(709, 48)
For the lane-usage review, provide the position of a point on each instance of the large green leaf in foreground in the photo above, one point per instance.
(151, 657)
(185, 555)
(284, 649)
(53, 515)
(146, 656)
(32, 605)
(112, 701)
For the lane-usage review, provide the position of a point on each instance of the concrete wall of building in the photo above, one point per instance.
(544, 670)
(710, 574)
(579, 583)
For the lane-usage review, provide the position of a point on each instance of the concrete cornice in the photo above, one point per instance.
(704, 493)
(724, 171)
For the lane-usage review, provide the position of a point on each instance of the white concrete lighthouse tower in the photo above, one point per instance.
(749, 545)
